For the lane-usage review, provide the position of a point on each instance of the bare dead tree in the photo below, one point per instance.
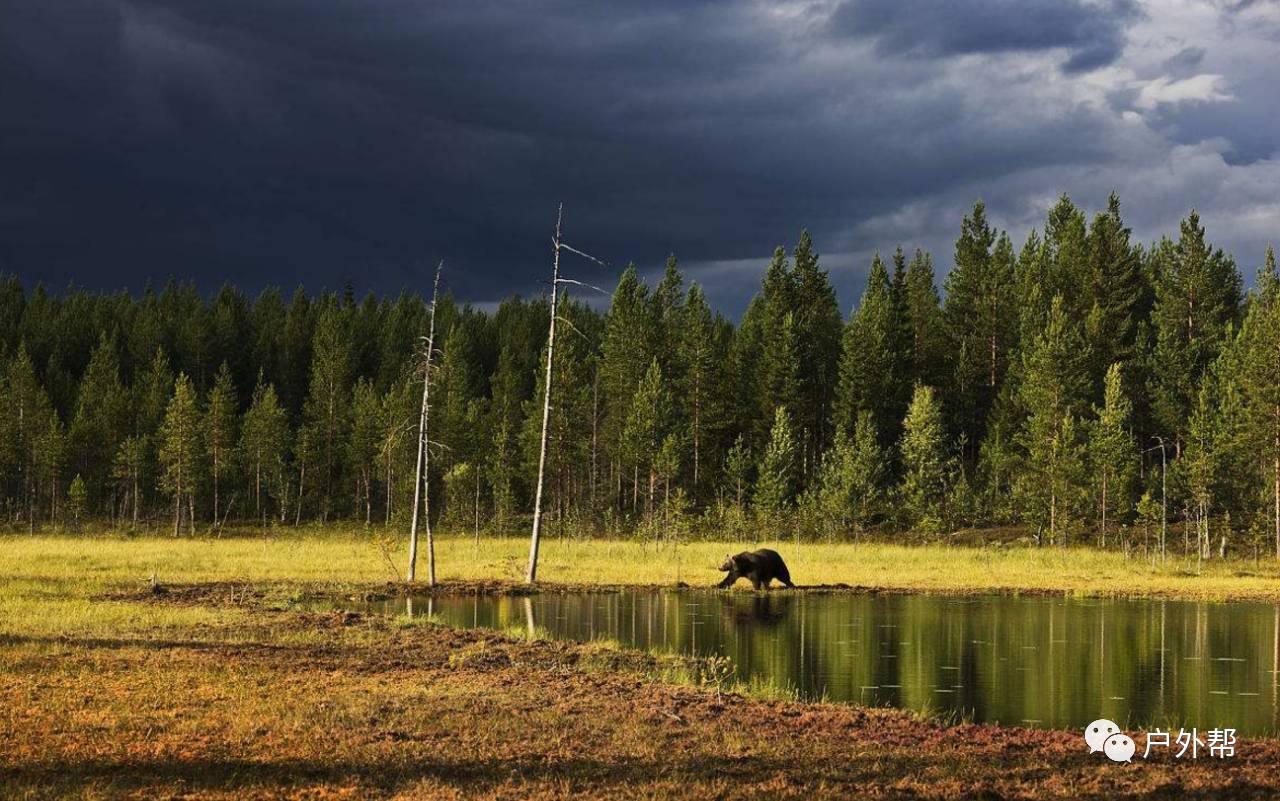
(421, 499)
(531, 574)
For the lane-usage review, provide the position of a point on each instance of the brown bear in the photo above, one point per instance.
(759, 567)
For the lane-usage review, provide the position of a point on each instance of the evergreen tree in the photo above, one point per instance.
(924, 317)
(647, 425)
(1197, 299)
(25, 415)
(503, 452)
(397, 444)
(1118, 292)
(925, 463)
(1066, 264)
(1113, 453)
(981, 314)
(737, 472)
(295, 352)
(50, 457)
(101, 409)
(1198, 465)
(78, 496)
(667, 316)
(626, 355)
(363, 444)
(181, 450)
(778, 472)
(151, 393)
(326, 412)
(1053, 391)
(264, 435)
(817, 328)
(127, 471)
(220, 432)
(871, 371)
(1261, 383)
(774, 382)
(700, 380)
(848, 492)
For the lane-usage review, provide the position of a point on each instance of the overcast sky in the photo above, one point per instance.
(320, 141)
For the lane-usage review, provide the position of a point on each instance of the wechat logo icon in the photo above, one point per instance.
(1105, 736)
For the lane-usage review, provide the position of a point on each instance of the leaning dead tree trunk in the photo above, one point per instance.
(421, 496)
(531, 575)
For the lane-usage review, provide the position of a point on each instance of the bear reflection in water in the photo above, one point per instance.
(755, 610)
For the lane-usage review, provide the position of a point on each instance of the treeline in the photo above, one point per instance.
(1078, 384)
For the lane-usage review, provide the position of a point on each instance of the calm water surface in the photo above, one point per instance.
(1039, 661)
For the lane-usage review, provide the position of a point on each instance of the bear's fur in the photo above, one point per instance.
(759, 567)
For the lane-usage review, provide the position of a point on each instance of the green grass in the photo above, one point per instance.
(47, 582)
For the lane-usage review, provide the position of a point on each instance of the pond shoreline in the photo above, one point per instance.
(504, 718)
(384, 591)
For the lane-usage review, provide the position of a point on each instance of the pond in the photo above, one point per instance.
(1035, 661)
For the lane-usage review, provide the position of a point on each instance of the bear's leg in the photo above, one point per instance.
(756, 582)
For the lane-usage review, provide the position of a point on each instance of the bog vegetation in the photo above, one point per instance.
(1078, 385)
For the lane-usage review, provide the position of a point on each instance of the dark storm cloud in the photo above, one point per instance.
(279, 141)
(1093, 33)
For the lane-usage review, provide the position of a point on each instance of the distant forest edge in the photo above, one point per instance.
(1081, 386)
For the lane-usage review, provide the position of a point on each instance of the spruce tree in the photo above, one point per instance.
(774, 383)
(101, 409)
(503, 460)
(924, 318)
(1113, 453)
(363, 443)
(981, 314)
(626, 355)
(78, 497)
(220, 432)
(127, 471)
(818, 328)
(667, 315)
(701, 379)
(326, 412)
(871, 370)
(181, 451)
(925, 463)
(397, 441)
(647, 425)
(737, 472)
(1117, 289)
(779, 468)
(1067, 258)
(25, 413)
(264, 436)
(848, 493)
(1053, 390)
(1199, 464)
(1261, 385)
(1197, 299)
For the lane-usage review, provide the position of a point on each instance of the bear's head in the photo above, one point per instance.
(730, 563)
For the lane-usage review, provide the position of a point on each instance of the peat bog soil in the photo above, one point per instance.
(276, 703)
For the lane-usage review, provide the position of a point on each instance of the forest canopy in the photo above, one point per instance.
(1077, 384)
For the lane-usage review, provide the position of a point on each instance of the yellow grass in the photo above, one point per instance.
(46, 582)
